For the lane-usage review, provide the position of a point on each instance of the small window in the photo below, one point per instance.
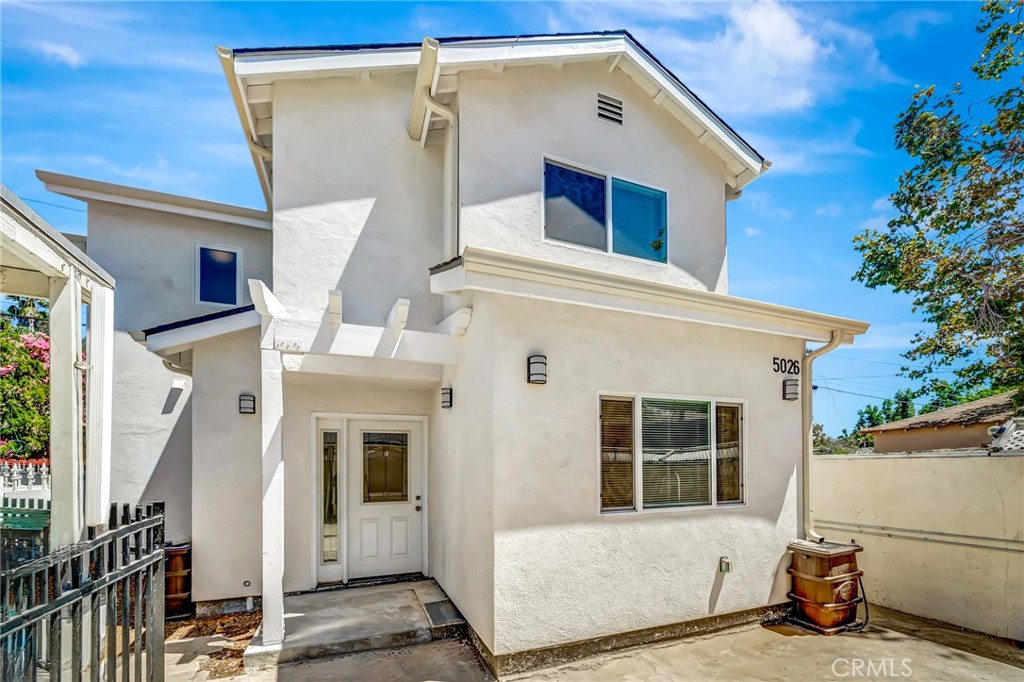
(600, 212)
(639, 221)
(691, 453)
(218, 275)
(574, 203)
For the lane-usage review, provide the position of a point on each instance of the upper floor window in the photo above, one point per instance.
(607, 213)
(218, 275)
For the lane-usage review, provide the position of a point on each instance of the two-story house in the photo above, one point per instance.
(482, 333)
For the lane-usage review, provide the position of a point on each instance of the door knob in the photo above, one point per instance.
(418, 508)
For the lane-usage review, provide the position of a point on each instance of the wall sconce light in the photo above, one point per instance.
(791, 389)
(246, 403)
(446, 397)
(537, 369)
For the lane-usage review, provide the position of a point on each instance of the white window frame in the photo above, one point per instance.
(239, 274)
(609, 231)
(638, 497)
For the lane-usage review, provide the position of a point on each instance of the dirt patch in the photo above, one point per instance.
(236, 629)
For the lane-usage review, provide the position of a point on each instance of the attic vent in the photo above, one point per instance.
(609, 108)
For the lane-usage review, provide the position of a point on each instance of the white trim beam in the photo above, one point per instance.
(176, 340)
(455, 324)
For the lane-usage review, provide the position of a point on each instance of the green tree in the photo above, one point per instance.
(24, 392)
(956, 244)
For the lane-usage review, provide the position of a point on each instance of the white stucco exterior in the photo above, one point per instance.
(351, 320)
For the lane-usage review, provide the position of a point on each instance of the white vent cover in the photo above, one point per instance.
(609, 108)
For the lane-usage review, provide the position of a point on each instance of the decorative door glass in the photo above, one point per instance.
(385, 467)
(330, 546)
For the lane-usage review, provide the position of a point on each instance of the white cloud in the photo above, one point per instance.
(764, 205)
(881, 204)
(64, 54)
(751, 231)
(810, 155)
(833, 209)
(744, 58)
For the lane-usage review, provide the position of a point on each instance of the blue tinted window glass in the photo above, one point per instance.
(218, 276)
(639, 221)
(574, 206)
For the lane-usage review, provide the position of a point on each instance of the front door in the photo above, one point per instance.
(384, 498)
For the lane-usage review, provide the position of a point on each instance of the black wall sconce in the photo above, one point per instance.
(791, 389)
(537, 369)
(446, 397)
(246, 403)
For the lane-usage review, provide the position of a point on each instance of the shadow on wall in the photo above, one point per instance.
(171, 478)
(391, 260)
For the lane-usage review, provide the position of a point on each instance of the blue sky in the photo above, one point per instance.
(133, 93)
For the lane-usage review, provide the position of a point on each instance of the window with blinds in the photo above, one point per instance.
(690, 453)
(676, 452)
(616, 454)
(728, 462)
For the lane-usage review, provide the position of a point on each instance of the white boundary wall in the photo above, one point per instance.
(909, 510)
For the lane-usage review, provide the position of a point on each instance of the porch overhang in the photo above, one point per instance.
(331, 346)
(494, 272)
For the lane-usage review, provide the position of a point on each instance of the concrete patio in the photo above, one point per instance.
(895, 645)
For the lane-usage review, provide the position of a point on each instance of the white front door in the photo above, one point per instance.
(384, 498)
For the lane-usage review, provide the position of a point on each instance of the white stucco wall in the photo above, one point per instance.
(510, 120)
(226, 472)
(151, 424)
(301, 400)
(462, 479)
(151, 254)
(357, 204)
(565, 572)
(981, 589)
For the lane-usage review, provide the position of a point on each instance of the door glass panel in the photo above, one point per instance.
(329, 499)
(385, 467)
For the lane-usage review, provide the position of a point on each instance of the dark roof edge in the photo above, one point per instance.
(159, 329)
(447, 265)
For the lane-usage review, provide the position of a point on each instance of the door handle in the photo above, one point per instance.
(419, 508)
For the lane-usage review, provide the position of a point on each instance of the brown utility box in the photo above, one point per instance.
(825, 584)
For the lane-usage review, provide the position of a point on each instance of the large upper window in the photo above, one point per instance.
(218, 275)
(659, 452)
(601, 212)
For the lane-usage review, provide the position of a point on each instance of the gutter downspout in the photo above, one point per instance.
(807, 423)
(451, 172)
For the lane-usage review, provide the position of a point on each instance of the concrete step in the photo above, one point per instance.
(319, 625)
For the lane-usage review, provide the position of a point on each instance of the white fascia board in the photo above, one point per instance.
(182, 338)
(377, 369)
(274, 65)
(94, 190)
(494, 272)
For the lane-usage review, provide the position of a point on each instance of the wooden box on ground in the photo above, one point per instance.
(825, 584)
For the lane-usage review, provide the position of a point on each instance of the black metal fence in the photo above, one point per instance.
(111, 586)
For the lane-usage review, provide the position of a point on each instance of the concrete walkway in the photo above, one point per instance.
(894, 644)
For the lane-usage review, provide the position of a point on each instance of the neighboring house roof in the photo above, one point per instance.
(992, 410)
(96, 190)
(251, 73)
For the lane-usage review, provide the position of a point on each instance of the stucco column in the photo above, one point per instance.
(272, 399)
(99, 403)
(65, 410)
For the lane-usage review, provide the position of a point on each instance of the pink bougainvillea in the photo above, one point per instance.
(38, 346)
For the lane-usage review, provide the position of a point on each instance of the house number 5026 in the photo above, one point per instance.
(784, 366)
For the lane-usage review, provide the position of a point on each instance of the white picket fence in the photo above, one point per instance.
(25, 479)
